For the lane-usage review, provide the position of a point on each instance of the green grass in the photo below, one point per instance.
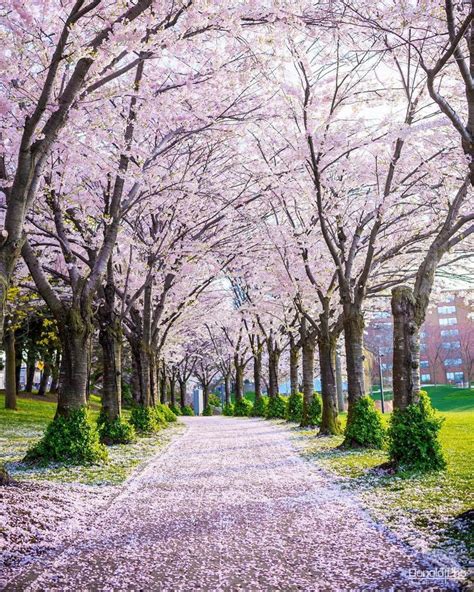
(21, 428)
(411, 503)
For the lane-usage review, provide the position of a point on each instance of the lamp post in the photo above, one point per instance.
(382, 399)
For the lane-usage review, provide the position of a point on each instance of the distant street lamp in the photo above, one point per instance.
(382, 399)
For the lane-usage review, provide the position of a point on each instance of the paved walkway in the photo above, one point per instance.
(231, 506)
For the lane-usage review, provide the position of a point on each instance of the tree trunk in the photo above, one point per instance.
(10, 369)
(18, 363)
(273, 362)
(173, 390)
(205, 395)
(354, 345)
(140, 373)
(55, 368)
(74, 334)
(239, 381)
(227, 388)
(182, 393)
(406, 348)
(294, 362)
(44, 379)
(163, 385)
(308, 378)
(330, 424)
(257, 374)
(339, 385)
(111, 344)
(30, 370)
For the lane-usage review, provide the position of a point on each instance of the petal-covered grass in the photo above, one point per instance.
(414, 505)
(21, 428)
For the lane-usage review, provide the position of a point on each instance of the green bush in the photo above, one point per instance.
(187, 410)
(276, 408)
(294, 407)
(214, 400)
(228, 409)
(207, 410)
(115, 432)
(147, 419)
(259, 408)
(166, 412)
(364, 426)
(72, 439)
(413, 437)
(176, 409)
(242, 408)
(316, 409)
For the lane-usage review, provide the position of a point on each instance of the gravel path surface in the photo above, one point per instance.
(232, 506)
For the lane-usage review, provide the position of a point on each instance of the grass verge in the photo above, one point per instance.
(23, 427)
(423, 510)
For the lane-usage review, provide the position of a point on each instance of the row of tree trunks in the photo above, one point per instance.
(327, 357)
(354, 346)
(308, 340)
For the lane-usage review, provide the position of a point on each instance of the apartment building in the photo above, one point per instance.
(446, 341)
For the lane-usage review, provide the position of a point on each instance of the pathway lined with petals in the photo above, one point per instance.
(232, 506)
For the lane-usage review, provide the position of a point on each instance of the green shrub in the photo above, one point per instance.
(413, 437)
(176, 409)
(294, 407)
(115, 432)
(214, 400)
(242, 408)
(316, 409)
(364, 426)
(72, 439)
(187, 410)
(259, 408)
(276, 408)
(166, 412)
(228, 409)
(147, 419)
(207, 410)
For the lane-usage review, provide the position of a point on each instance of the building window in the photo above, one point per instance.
(451, 345)
(387, 366)
(424, 364)
(381, 314)
(448, 321)
(448, 298)
(453, 362)
(446, 309)
(425, 377)
(422, 334)
(423, 347)
(449, 332)
(456, 376)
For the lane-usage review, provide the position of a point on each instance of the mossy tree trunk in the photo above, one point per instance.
(74, 334)
(205, 394)
(10, 369)
(18, 363)
(140, 372)
(110, 339)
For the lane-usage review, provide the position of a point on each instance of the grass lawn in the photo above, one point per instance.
(21, 428)
(416, 504)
